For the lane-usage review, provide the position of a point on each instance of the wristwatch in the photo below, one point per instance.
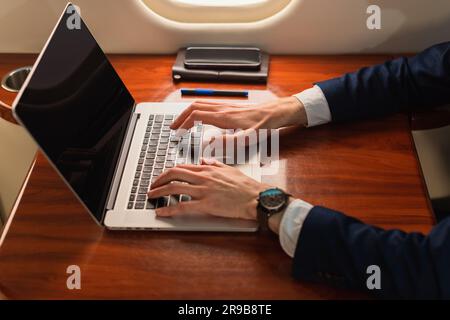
(270, 202)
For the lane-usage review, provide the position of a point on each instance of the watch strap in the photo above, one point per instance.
(263, 218)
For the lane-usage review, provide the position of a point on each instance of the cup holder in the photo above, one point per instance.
(14, 80)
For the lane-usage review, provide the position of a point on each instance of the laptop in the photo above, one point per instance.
(107, 148)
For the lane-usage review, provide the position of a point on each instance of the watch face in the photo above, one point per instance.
(272, 199)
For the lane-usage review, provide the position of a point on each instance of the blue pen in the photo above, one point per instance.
(212, 92)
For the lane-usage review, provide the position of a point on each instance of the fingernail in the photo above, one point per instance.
(209, 161)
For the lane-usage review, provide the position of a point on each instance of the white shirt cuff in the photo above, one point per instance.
(316, 106)
(291, 225)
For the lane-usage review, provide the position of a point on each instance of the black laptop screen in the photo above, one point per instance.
(77, 109)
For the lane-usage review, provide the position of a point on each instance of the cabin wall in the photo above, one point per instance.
(302, 27)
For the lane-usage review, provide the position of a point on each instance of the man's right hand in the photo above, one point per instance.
(276, 114)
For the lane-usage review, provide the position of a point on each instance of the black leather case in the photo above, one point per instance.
(181, 73)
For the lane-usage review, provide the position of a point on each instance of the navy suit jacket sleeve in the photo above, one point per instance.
(337, 249)
(404, 84)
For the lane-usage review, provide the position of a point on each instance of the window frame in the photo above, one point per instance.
(185, 12)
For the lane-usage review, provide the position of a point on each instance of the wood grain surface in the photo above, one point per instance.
(367, 170)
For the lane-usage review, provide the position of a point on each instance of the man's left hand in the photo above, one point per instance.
(214, 187)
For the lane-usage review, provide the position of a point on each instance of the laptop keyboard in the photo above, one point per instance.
(162, 149)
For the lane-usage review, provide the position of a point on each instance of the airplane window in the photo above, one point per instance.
(216, 11)
(221, 2)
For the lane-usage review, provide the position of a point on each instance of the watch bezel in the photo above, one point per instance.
(273, 208)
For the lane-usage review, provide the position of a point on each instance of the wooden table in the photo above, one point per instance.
(367, 170)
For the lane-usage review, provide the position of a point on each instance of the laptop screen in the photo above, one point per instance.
(77, 109)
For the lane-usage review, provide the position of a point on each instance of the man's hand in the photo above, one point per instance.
(283, 112)
(215, 188)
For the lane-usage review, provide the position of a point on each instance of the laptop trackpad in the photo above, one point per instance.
(203, 222)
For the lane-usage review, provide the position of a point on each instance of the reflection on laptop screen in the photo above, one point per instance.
(77, 109)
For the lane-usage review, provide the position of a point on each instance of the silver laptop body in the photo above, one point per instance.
(106, 148)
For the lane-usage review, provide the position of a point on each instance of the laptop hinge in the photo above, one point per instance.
(122, 161)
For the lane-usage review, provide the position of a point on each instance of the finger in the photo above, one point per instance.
(212, 162)
(213, 103)
(186, 112)
(218, 104)
(177, 174)
(206, 117)
(176, 188)
(209, 103)
(183, 115)
(194, 206)
(224, 104)
(193, 167)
